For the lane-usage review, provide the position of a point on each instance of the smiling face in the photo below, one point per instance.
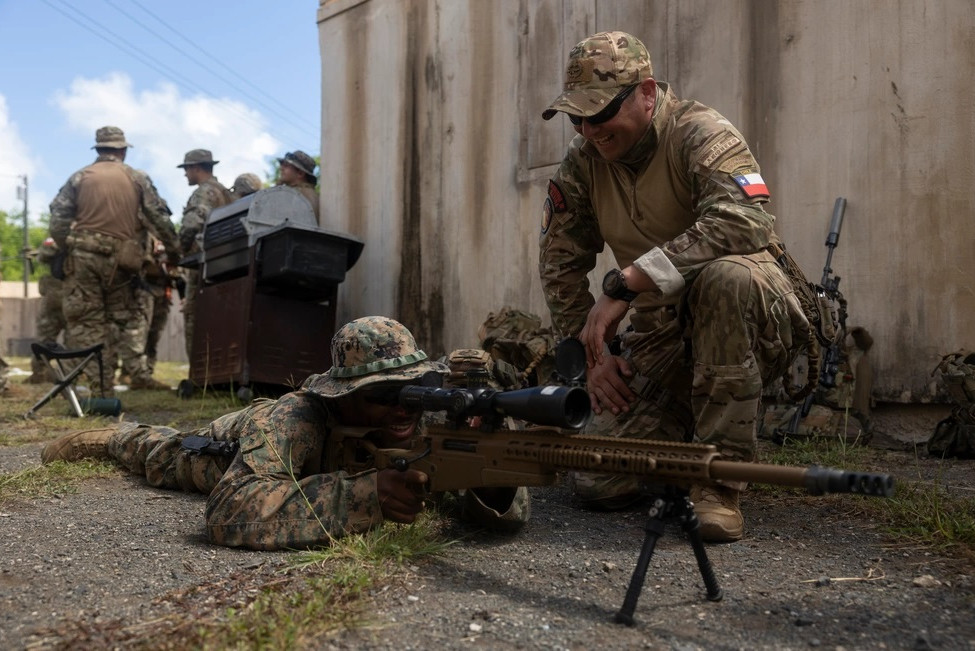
(616, 136)
(376, 406)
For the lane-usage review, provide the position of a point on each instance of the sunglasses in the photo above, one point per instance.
(607, 113)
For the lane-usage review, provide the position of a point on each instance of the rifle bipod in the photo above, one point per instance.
(673, 504)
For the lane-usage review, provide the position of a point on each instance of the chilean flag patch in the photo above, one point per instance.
(752, 184)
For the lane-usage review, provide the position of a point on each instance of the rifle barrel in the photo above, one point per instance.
(815, 479)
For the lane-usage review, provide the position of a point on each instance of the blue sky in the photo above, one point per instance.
(239, 77)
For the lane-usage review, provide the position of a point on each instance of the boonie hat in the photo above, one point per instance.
(246, 184)
(300, 161)
(370, 350)
(598, 68)
(111, 138)
(198, 157)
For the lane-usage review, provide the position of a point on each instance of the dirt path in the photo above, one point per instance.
(809, 573)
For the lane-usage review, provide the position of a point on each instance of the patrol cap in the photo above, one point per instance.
(110, 138)
(246, 184)
(198, 157)
(370, 350)
(599, 67)
(300, 161)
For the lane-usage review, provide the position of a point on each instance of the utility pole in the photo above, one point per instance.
(26, 240)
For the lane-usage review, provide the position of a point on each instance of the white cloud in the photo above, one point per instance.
(15, 162)
(162, 125)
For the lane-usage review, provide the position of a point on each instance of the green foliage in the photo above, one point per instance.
(12, 246)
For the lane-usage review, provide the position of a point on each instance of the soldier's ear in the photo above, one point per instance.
(649, 89)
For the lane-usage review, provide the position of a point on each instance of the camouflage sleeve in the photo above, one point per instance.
(156, 211)
(727, 193)
(63, 211)
(266, 501)
(199, 205)
(568, 245)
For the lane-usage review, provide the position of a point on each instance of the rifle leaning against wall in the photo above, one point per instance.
(457, 456)
(828, 289)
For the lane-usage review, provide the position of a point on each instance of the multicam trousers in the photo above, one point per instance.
(103, 304)
(700, 367)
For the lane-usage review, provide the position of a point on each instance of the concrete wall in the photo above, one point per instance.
(434, 152)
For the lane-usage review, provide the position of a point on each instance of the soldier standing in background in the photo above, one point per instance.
(95, 219)
(674, 191)
(50, 315)
(245, 184)
(209, 194)
(298, 172)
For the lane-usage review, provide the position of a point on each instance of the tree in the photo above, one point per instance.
(12, 244)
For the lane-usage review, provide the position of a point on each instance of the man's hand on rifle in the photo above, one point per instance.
(400, 494)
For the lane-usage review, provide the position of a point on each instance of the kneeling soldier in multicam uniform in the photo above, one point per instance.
(266, 469)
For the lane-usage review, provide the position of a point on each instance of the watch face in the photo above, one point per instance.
(613, 282)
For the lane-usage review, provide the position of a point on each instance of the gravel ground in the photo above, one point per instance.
(810, 572)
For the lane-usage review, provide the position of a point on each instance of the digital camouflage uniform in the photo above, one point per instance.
(260, 497)
(209, 194)
(50, 315)
(94, 217)
(684, 205)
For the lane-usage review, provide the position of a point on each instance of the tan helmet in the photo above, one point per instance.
(370, 350)
(246, 184)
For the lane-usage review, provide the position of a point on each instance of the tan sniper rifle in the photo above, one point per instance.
(457, 456)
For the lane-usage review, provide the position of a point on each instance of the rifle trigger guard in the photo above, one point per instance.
(403, 464)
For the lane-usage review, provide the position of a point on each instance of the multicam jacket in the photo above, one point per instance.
(111, 206)
(282, 492)
(208, 195)
(688, 192)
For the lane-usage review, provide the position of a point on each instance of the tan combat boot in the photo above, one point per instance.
(86, 444)
(719, 513)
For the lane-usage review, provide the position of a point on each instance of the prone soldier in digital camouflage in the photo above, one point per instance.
(671, 186)
(95, 218)
(209, 194)
(282, 489)
(298, 172)
(50, 315)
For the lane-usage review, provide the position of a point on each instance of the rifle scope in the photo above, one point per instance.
(553, 406)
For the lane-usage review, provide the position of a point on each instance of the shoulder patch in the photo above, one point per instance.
(738, 162)
(557, 197)
(718, 148)
(546, 215)
(751, 183)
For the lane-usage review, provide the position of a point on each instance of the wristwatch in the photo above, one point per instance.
(614, 286)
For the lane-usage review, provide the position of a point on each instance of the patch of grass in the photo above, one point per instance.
(930, 513)
(58, 478)
(317, 593)
(920, 512)
(151, 407)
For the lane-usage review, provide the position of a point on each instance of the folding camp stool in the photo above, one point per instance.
(55, 357)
